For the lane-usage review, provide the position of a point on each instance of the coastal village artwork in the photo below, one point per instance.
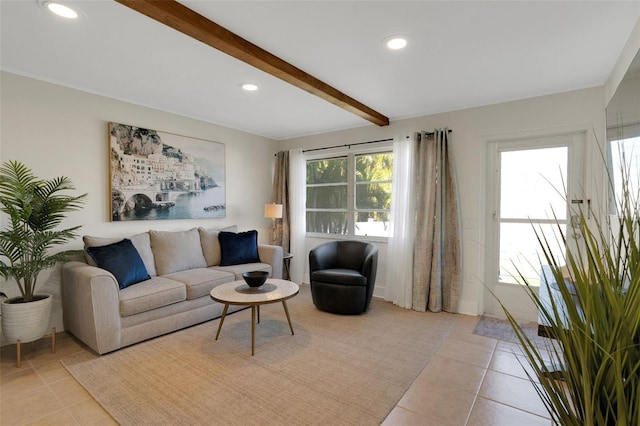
(158, 175)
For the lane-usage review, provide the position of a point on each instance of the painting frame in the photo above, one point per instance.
(158, 175)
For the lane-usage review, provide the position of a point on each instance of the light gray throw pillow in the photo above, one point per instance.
(177, 251)
(211, 244)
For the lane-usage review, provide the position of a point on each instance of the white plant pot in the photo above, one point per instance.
(26, 322)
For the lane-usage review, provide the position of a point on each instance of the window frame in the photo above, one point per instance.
(351, 210)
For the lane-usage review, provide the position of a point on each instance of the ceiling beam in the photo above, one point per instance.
(185, 20)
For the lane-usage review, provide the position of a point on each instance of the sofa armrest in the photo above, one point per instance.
(91, 306)
(273, 256)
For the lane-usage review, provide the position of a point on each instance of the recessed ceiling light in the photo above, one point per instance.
(249, 87)
(395, 42)
(61, 9)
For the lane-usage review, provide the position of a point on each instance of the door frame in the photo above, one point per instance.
(579, 153)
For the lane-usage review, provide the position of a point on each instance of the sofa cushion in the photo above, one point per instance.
(238, 270)
(238, 248)
(177, 251)
(141, 242)
(150, 294)
(211, 244)
(200, 281)
(122, 260)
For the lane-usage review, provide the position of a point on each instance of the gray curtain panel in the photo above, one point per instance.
(281, 196)
(437, 256)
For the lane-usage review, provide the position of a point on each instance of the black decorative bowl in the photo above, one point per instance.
(255, 278)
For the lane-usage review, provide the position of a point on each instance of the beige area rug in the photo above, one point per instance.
(338, 370)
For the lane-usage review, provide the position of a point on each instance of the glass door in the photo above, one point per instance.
(534, 182)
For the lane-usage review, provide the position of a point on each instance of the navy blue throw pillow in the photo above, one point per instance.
(122, 260)
(238, 248)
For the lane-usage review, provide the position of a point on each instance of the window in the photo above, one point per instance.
(350, 194)
(327, 194)
(624, 169)
(532, 190)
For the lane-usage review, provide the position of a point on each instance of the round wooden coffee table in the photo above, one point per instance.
(239, 293)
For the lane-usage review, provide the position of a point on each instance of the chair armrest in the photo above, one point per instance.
(273, 256)
(91, 306)
(370, 266)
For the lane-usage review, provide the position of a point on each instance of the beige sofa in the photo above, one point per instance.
(183, 268)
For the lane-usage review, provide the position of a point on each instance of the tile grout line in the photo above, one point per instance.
(48, 385)
(477, 395)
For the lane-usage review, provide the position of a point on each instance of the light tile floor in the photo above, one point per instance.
(471, 380)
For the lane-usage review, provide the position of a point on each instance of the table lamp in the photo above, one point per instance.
(273, 211)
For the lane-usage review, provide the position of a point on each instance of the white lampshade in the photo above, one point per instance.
(273, 211)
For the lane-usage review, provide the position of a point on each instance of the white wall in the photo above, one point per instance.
(59, 131)
(623, 109)
(472, 130)
(622, 90)
(629, 52)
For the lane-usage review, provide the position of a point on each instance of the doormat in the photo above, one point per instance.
(501, 329)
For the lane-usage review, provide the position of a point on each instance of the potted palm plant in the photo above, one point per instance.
(594, 319)
(35, 208)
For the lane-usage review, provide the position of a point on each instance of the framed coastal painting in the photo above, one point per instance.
(158, 175)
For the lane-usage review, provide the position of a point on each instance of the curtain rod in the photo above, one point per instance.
(349, 145)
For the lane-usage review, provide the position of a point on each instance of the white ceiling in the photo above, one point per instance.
(460, 55)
